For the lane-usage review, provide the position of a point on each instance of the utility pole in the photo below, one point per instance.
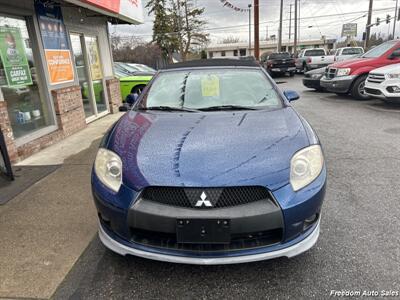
(295, 28)
(256, 30)
(298, 25)
(280, 28)
(368, 29)
(290, 22)
(249, 6)
(395, 19)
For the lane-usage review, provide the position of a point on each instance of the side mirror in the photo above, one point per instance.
(395, 54)
(291, 95)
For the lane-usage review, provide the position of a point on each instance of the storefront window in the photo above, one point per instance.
(19, 81)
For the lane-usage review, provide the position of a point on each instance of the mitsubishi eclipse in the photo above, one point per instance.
(211, 166)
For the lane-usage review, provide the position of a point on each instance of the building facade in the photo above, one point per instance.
(56, 69)
(266, 47)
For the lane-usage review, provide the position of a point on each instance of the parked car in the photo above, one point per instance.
(212, 166)
(280, 63)
(310, 59)
(312, 79)
(133, 68)
(131, 82)
(346, 53)
(349, 76)
(142, 68)
(384, 83)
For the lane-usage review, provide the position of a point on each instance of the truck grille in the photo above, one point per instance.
(330, 73)
(218, 197)
(376, 78)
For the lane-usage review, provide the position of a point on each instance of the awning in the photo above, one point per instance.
(129, 11)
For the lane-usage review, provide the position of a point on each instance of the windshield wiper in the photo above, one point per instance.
(227, 107)
(168, 108)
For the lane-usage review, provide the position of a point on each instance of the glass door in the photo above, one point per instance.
(96, 73)
(89, 69)
(81, 69)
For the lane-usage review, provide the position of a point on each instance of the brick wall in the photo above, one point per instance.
(7, 131)
(69, 109)
(114, 94)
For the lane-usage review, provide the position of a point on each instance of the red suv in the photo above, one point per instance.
(349, 76)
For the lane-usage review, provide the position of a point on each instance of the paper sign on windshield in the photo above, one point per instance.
(210, 86)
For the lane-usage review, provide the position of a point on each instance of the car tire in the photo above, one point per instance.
(357, 90)
(291, 74)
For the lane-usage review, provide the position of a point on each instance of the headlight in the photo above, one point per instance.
(108, 168)
(343, 72)
(316, 76)
(393, 76)
(305, 166)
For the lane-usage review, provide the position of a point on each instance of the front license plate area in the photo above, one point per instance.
(203, 231)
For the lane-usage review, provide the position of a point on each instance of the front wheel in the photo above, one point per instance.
(291, 74)
(358, 89)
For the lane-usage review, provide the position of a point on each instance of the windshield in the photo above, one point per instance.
(205, 88)
(279, 56)
(379, 50)
(315, 52)
(352, 51)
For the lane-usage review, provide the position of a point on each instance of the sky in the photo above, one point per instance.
(318, 18)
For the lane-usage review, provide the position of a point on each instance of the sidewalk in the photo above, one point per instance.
(45, 229)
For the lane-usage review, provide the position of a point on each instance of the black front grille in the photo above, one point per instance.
(238, 241)
(219, 197)
(330, 73)
(373, 91)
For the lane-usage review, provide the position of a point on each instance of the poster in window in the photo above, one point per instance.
(55, 42)
(94, 58)
(13, 56)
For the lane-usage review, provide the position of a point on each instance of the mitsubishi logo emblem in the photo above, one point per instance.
(203, 201)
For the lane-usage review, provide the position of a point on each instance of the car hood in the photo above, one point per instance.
(136, 78)
(354, 63)
(208, 149)
(391, 69)
(317, 71)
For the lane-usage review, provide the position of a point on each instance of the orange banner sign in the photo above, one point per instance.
(60, 67)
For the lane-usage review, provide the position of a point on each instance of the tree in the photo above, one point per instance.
(162, 27)
(178, 26)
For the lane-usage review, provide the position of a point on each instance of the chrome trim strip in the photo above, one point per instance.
(291, 251)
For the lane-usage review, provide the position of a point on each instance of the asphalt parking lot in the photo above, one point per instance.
(358, 249)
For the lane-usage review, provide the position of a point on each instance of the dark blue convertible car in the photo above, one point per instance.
(211, 166)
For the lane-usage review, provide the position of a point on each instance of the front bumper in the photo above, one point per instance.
(383, 90)
(297, 232)
(338, 84)
(282, 69)
(290, 251)
(312, 83)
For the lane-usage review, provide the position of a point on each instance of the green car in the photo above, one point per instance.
(131, 81)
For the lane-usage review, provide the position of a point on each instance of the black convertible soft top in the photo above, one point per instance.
(248, 62)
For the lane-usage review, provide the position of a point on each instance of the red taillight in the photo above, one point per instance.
(309, 60)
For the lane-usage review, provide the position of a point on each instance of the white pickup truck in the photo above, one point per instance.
(384, 83)
(310, 59)
(346, 53)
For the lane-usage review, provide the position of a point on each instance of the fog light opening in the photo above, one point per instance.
(310, 221)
